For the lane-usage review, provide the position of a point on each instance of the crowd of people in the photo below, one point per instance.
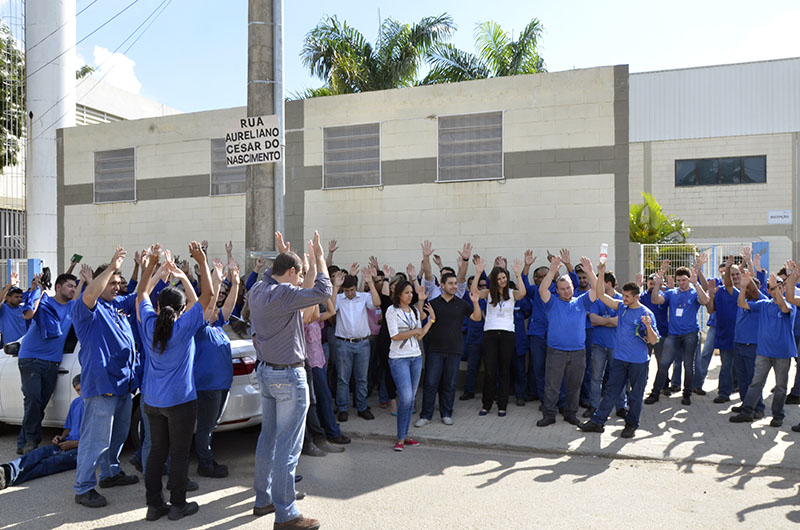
(326, 338)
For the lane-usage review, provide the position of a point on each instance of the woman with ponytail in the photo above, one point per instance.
(168, 388)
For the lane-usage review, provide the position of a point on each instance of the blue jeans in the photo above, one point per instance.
(38, 379)
(744, 362)
(586, 384)
(41, 462)
(105, 425)
(352, 358)
(762, 367)
(473, 365)
(325, 403)
(676, 346)
(441, 373)
(538, 347)
(406, 372)
(726, 373)
(600, 357)
(621, 374)
(701, 369)
(284, 403)
(210, 404)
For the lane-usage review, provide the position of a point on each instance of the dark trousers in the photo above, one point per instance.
(675, 346)
(325, 403)
(623, 374)
(586, 384)
(314, 429)
(441, 372)
(744, 362)
(538, 347)
(567, 366)
(210, 404)
(497, 349)
(171, 431)
(38, 379)
(473, 366)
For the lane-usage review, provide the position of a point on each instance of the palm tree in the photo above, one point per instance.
(649, 224)
(498, 55)
(339, 54)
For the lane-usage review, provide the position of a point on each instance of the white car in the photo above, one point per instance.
(242, 409)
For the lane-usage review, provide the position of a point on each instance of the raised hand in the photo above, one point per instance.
(480, 266)
(234, 273)
(13, 280)
(86, 273)
(229, 247)
(332, 246)
(586, 263)
(555, 264)
(701, 260)
(117, 259)
(155, 251)
(437, 259)
(729, 261)
(411, 271)
(500, 261)
(772, 282)
(529, 257)
(712, 288)
(421, 294)
(427, 248)
(317, 245)
(366, 275)
(185, 267)
(218, 268)
(136, 258)
(646, 320)
(466, 251)
(197, 252)
(36, 282)
(693, 275)
(373, 263)
(429, 310)
(550, 255)
(305, 263)
(354, 268)
(475, 258)
(259, 263)
(664, 267)
(204, 244)
(756, 263)
(745, 278)
(338, 278)
(516, 266)
(474, 297)
(670, 282)
(601, 269)
(639, 280)
(283, 246)
(565, 256)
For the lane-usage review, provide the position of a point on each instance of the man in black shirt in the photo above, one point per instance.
(444, 350)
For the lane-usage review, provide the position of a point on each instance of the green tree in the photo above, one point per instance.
(83, 71)
(12, 97)
(498, 55)
(341, 56)
(649, 224)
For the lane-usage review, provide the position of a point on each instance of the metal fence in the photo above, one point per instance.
(20, 266)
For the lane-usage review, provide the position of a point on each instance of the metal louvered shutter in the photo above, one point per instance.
(470, 147)
(115, 175)
(225, 180)
(352, 156)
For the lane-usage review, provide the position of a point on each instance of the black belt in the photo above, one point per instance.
(274, 366)
(354, 340)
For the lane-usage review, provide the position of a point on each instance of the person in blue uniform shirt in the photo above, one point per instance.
(12, 323)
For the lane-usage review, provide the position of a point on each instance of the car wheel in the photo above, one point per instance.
(136, 433)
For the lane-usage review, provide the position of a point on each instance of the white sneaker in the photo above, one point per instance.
(421, 422)
(447, 420)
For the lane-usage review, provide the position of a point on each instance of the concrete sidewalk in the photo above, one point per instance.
(669, 431)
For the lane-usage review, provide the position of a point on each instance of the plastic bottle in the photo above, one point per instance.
(603, 252)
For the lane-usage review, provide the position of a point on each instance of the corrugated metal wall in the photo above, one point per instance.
(726, 100)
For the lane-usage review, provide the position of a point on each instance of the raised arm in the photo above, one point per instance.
(205, 275)
(600, 292)
(586, 264)
(366, 274)
(427, 250)
(149, 262)
(479, 268)
(652, 336)
(726, 276)
(775, 291)
(655, 295)
(98, 285)
(521, 291)
(12, 282)
(233, 294)
(332, 247)
(791, 281)
(702, 296)
(477, 314)
(463, 263)
(547, 281)
(529, 259)
(744, 280)
(712, 291)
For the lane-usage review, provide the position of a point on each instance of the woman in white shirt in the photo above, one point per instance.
(405, 354)
(497, 347)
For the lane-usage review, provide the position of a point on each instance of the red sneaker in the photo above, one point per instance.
(411, 442)
(398, 446)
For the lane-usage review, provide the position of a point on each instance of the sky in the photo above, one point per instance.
(192, 54)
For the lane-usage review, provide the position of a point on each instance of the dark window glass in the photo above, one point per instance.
(685, 172)
(754, 169)
(721, 171)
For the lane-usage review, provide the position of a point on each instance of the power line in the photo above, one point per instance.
(83, 39)
(61, 26)
(163, 2)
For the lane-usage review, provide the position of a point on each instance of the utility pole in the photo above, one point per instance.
(262, 88)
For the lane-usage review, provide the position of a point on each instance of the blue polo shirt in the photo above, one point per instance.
(631, 346)
(107, 350)
(522, 310)
(169, 375)
(537, 323)
(603, 335)
(567, 322)
(775, 336)
(475, 329)
(74, 418)
(12, 324)
(683, 307)
(726, 308)
(213, 363)
(45, 338)
(746, 330)
(661, 311)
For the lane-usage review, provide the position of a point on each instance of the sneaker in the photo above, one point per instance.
(628, 432)
(686, 400)
(699, 391)
(466, 395)
(721, 399)
(215, 470)
(259, 511)
(328, 448)
(5, 476)
(366, 414)
(411, 442)
(120, 479)
(622, 413)
(447, 420)
(589, 412)
(179, 512)
(740, 418)
(398, 446)
(652, 398)
(91, 499)
(154, 513)
(310, 449)
(776, 422)
(341, 440)
(422, 422)
(589, 426)
(792, 400)
(342, 416)
(299, 523)
(520, 402)
(545, 421)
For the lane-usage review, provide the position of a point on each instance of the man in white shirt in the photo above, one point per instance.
(352, 342)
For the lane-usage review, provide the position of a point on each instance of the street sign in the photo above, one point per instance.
(779, 217)
(253, 140)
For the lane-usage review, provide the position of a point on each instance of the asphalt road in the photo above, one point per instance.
(369, 486)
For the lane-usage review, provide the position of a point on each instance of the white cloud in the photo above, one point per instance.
(117, 69)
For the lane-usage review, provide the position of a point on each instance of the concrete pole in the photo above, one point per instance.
(259, 219)
(50, 86)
